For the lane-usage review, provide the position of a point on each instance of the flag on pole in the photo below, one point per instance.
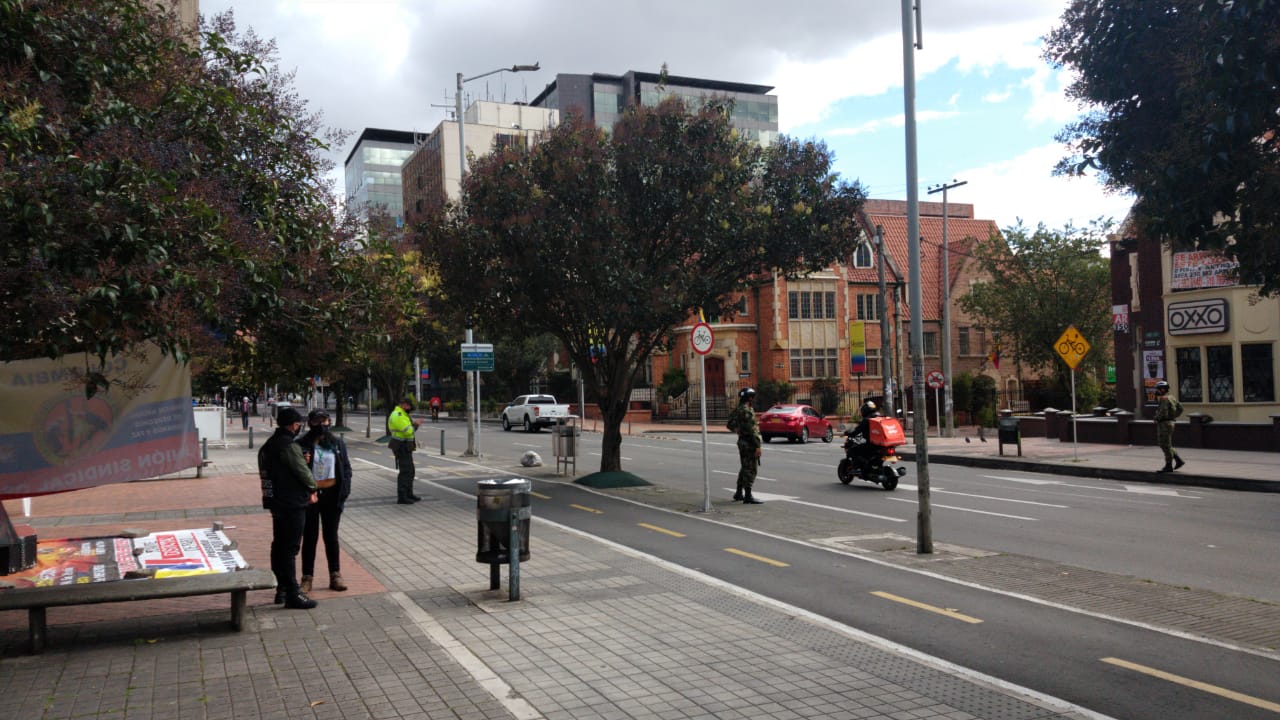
(994, 356)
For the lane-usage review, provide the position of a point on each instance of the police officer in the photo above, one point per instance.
(1166, 411)
(402, 427)
(743, 421)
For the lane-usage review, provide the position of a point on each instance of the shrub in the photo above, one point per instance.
(674, 384)
(772, 392)
(825, 394)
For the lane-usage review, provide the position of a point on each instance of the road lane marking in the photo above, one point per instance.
(584, 508)
(1127, 489)
(662, 530)
(786, 498)
(1196, 684)
(980, 512)
(758, 477)
(1000, 499)
(623, 457)
(953, 614)
(539, 495)
(761, 558)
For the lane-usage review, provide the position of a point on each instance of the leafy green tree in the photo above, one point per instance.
(1040, 283)
(611, 240)
(1185, 93)
(155, 187)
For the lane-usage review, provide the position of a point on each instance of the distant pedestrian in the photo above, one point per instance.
(244, 412)
(287, 490)
(402, 428)
(743, 421)
(331, 468)
(1168, 409)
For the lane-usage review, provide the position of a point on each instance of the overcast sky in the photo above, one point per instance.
(987, 106)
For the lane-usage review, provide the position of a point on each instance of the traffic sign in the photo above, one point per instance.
(702, 338)
(1071, 346)
(934, 380)
(477, 357)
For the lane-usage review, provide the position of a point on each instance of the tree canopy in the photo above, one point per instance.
(157, 187)
(1041, 282)
(1186, 93)
(613, 239)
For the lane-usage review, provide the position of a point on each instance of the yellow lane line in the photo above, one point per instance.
(761, 558)
(931, 608)
(664, 531)
(584, 508)
(539, 495)
(1188, 682)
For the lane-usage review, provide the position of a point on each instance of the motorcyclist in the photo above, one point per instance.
(861, 432)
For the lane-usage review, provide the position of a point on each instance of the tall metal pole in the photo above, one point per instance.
(886, 359)
(950, 430)
(924, 530)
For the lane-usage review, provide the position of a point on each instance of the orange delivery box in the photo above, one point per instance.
(886, 432)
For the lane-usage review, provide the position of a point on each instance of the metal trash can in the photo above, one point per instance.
(1008, 432)
(496, 502)
(564, 443)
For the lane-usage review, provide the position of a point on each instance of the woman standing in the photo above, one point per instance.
(331, 467)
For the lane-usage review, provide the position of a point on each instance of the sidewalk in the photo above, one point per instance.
(599, 632)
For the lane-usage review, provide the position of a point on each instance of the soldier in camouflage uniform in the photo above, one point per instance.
(1166, 411)
(743, 421)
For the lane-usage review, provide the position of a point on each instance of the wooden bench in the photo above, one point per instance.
(36, 600)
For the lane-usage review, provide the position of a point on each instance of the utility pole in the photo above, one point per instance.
(924, 522)
(886, 359)
(946, 308)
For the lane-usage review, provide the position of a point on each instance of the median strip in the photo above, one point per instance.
(954, 615)
(664, 531)
(760, 558)
(1188, 682)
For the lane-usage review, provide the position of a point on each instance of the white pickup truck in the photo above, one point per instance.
(533, 412)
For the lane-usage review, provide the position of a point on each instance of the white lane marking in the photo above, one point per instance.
(1137, 489)
(1152, 490)
(769, 497)
(1000, 499)
(953, 507)
(624, 457)
(758, 477)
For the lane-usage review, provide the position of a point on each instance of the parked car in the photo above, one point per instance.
(798, 423)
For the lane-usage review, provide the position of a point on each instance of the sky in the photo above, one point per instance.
(987, 106)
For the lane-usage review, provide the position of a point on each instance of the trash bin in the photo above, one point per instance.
(1008, 432)
(564, 442)
(496, 500)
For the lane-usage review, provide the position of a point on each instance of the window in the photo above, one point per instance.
(818, 305)
(1221, 374)
(1257, 374)
(862, 256)
(807, 364)
(740, 309)
(744, 362)
(1190, 386)
(964, 341)
(806, 306)
(869, 307)
(830, 298)
(873, 361)
(931, 343)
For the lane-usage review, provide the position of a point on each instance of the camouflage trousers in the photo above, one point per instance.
(1164, 438)
(750, 464)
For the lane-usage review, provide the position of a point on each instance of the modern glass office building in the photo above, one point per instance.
(373, 170)
(602, 98)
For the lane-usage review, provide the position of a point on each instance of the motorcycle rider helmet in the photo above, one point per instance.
(869, 409)
(746, 394)
(1162, 387)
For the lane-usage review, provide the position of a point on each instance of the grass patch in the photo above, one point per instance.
(608, 480)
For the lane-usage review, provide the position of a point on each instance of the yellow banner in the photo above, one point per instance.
(857, 347)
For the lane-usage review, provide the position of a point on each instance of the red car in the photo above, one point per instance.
(796, 422)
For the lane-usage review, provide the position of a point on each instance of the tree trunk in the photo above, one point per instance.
(614, 413)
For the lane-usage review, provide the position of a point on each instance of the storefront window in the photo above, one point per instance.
(1190, 385)
(1221, 374)
(1256, 371)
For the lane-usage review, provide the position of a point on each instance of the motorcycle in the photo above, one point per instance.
(873, 459)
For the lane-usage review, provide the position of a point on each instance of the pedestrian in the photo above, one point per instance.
(331, 468)
(743, 421)
(287, 490)
(402, 427)
(244, 412)
(1166, 411)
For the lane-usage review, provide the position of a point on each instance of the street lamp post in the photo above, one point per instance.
(946, 309)
(473, 378)
(886, 359)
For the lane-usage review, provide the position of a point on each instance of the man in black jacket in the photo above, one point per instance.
(287, 490)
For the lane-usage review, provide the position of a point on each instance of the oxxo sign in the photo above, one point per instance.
(1195, 317)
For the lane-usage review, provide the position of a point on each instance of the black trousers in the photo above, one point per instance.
(322, 516)
(404, 463)
(286, 538)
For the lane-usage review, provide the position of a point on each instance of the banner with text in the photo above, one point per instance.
(54, 439)
(857, 347)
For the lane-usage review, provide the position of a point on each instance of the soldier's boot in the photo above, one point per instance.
(1168, 467)
(1177, 461)
(747, 499)
(737, 495)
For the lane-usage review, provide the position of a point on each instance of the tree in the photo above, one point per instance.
(610, 240)
(156, 189)
(1040, 283)
(1186, 93)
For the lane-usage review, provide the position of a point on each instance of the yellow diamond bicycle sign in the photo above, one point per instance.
(1072, 346)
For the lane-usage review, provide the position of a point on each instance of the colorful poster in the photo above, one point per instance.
(54, 439)
(1201, 269)
(857, 347)
(172, 553)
